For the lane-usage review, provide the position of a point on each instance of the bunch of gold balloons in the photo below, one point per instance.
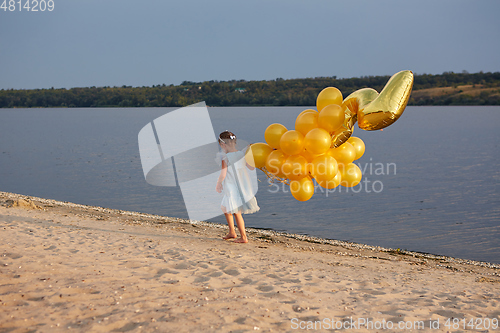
(321, 145)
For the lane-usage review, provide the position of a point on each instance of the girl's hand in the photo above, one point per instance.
(250, 167)
(218, 188)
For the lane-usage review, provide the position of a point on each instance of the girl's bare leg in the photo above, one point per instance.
(241, 227)
(230, 223)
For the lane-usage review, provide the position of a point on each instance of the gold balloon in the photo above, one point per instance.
(295, 167)
(292, 142)
(372, 110)
(350, 174)
(317, 141)
(389, 105)
(274, 162)
(302, 189)
(307, 111)
(331, 117)
(273, 135)
(350, 108)
(332, 183)
(257, 153)
(308, 155)
(306, 122)
(343, 154)
(324, 167)
(327, 96)
(359, 146)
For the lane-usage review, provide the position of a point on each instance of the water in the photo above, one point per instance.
(430, 181)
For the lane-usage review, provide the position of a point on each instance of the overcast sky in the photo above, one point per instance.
(85, 43)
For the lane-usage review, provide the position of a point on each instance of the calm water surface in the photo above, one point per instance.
(430, 181)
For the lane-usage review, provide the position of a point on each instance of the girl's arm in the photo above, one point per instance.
(222, 176)
(248, 165)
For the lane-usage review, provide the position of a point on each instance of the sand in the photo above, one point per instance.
(68, 267)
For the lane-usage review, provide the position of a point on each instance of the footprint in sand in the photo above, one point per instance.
(232, 272)
(215, 274)
(12, 255)
(265, 288)
(247, 281)
(201, 279)
(164, 271)
(182, 265)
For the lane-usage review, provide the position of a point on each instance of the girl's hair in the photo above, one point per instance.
(227, 137)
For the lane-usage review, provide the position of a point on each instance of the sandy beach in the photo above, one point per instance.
(68, 267)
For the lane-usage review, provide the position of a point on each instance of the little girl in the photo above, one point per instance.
(234, 181)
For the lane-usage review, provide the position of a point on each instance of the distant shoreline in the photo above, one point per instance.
(444, 89)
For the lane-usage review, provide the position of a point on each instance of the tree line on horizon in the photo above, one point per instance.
(279, 92)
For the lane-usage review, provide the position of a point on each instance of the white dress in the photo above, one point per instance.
(239, 186)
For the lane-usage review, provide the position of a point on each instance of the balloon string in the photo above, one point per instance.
(274, 178)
